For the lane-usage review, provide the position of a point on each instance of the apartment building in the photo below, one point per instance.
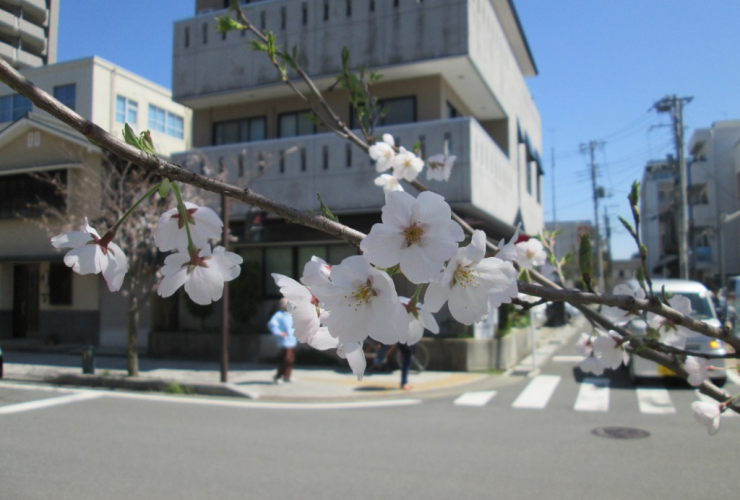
(39, 296)
(713, 195)
(28, 32)
(453, 79)
(659, 212)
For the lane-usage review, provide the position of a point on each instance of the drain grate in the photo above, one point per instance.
(620, 432)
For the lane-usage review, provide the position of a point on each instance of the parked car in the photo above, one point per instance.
(702, 309)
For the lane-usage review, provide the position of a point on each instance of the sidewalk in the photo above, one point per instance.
(62, 366)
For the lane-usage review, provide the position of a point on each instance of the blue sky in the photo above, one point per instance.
(602, 64)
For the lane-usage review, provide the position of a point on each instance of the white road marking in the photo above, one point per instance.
(734, 376)
(705, 398)
(567, 359)
(655, 401)
(538, 393)
(593, 395)
(47, 403)
(480, 398)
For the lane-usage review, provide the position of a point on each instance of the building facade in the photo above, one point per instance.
(39, 296)
(659, 212)
(713, 195)
(28, 32)
(453, 81)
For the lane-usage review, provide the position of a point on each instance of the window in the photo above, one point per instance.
(166, 122)
(66, 94)
(326, 10)
(205, 33)
(698, 194)
(14, 107)
(60, 284)
(349, 8)
(304, 10)
(127, 111)
(288, 261)
(283, 18)
(294, 124)
(20, 195)
(242, 130)
(393, 111)
(187, 36)
(156, 118)
(452, 111)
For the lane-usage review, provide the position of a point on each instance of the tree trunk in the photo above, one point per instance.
(133, 327)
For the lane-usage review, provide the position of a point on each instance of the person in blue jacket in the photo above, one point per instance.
(281, 326)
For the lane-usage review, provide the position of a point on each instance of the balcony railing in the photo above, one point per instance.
(295, 169)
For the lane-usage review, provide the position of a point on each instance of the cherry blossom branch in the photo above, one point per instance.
(100, 137)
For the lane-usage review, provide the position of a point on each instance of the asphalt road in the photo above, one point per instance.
(139, 448)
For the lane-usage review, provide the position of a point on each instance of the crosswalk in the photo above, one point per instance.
(593, 395)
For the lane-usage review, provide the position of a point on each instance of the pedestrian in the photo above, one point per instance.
(407, 352)
(281, 326)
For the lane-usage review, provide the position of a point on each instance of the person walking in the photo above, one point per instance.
(281, 326)
(406, 352)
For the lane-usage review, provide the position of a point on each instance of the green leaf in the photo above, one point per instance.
(652, 333)
(634, 195)
(130, 137)
(224, 24)
(325, 210)
(164, 188)
(146, 142)
(551, 259)
(258, 46)
(640, 275)
(628, 226)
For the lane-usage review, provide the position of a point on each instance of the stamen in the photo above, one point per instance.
(413, 234)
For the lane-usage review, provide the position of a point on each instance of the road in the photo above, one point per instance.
(515, 438)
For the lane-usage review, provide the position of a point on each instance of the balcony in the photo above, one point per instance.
(700, 173)
(484, 182)
(703, 215)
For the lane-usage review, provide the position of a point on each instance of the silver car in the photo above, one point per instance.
(702, 309)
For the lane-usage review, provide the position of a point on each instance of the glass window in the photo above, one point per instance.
(175, 126)
(6, 108)
(66, 94)
(277, 260)
(242, 130)
(397, 111)
(22, 195)
(127, 110)
(294, 124)
(337, 253)
(156, 118)
(14, 107)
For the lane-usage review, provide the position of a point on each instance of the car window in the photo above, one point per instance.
(701, 306)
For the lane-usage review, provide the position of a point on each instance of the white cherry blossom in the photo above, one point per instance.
(507, 251)
(203, 274)
(697, 369)
(707, 414)
(585, 345)
(419, 320)
(531, 253)
(383, 153)
(417, 233)
(607, 346)
(620, 316)
(439, 167)
(92, 254)
(302, 305)
(471, 283)
(362, 302)
(355, 356)
(593, 365)
(170, 234)
(388, 183)
(670, 333)
(406, 165)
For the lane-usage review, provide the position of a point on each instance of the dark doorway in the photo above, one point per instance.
(26, 300)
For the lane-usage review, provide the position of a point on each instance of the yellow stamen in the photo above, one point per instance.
(413, 234)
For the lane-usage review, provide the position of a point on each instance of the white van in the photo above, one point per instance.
(702, 309)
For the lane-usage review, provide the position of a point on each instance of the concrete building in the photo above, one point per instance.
(28, 32)
(659, 212)
(454, 80)
(712, 194)
(39, 296)
(624, 271)
(569, 241)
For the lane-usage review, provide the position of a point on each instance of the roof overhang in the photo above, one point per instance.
(459, 72)
(34, 122)
(512, 27)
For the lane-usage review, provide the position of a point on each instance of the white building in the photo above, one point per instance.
(453, 79)
(658, 209)
(39, 296)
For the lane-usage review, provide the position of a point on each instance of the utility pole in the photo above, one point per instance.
(674, 105)
(608, 231)
(597, 193)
